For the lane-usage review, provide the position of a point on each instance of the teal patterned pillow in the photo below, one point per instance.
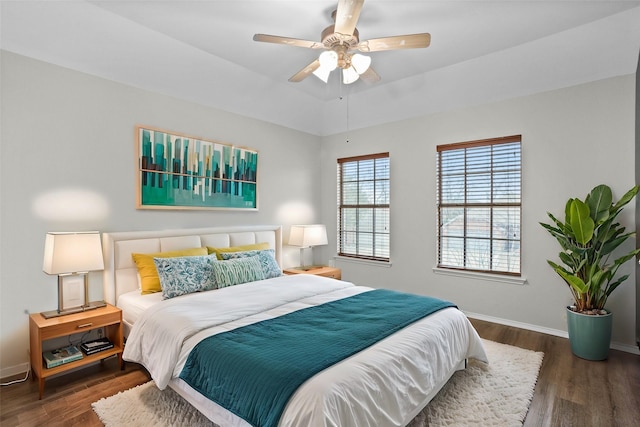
(267, 259)
(185, 275)
(238, 270)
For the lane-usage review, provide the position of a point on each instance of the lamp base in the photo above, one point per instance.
(89, 306)
(94, 304)
(58, 313)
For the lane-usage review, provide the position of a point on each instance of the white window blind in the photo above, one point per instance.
(479, 205)
(363, 207)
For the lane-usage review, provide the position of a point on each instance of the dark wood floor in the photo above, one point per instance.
(570, 391)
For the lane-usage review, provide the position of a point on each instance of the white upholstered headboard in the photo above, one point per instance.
(120, 272)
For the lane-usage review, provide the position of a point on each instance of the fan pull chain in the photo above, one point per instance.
(348, 120)
(341, 98)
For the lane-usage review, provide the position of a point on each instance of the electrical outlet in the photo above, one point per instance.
(26, 311)
(100, 333)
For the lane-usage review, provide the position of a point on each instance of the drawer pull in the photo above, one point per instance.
(86, 325)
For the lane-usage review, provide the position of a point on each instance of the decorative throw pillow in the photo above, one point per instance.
(149, 280)
(185, 275)
(267, 261)
(236, 271)
(253, 246)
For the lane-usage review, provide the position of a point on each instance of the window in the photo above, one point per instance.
(363, 207)
(479, 211)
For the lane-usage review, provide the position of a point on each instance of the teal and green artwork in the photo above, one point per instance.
(177, 171)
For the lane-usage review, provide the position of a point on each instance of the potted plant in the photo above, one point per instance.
(588, 236)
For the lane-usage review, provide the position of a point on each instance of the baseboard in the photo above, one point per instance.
(625, 347)
(14, 370)
(549, 331)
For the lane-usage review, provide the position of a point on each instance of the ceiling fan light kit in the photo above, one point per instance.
(352, 65)
(322, 73)
(361, 63)
(349, 75)
(340, 41)
(328, 60)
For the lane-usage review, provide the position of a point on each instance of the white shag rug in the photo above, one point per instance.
(497, 394)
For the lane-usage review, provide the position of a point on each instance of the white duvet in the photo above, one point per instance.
(386, 384)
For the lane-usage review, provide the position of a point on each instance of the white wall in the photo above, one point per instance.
(63, 130)
(572, 140)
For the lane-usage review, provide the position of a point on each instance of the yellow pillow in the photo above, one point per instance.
(149, 280)
(252, 247)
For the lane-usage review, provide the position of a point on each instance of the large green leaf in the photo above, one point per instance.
(569, 261)
(608, 232)
(613, 285)
(626, 198)
(599, 201)
(595, 282)
(561, 226)
(553, 230)
(581, 223)
(610, 245)
(558, 267)
(574, 281)
(618, 262)
(567, 211)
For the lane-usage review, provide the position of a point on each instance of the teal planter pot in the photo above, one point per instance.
(589, 335)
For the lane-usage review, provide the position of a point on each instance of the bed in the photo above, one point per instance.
(387, 383)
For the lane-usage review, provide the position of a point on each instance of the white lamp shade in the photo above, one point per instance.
(72, 253)
(329, 60)
(322, 73)
(308, 235)
(360, 63)
(349, 75)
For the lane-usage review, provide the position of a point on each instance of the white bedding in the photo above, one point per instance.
(133, 304)
(386, 384)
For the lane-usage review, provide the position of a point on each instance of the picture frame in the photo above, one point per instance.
(179, 171)
(73, 292)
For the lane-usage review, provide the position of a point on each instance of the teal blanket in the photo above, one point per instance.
(253, 371)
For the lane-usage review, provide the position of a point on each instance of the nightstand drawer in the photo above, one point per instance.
(80, 325)
(333, 274)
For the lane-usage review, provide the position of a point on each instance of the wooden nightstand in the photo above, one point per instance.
(333, 272)
(41, 329)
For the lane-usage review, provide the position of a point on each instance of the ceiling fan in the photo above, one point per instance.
(340, 41)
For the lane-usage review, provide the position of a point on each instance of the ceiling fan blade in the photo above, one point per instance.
(347, 15)
(409, 41)
(287, 41)
(370, 76)
(304, 73)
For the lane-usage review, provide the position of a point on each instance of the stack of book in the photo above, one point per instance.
(96, 346)
(60, 356)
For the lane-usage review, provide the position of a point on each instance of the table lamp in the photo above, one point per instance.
(72, 254)
(307, 236)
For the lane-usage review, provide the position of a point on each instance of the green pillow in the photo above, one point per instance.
(236, 271)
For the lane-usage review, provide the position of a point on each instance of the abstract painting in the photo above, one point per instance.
(177, 171)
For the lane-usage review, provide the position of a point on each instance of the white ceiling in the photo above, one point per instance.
(202, 51)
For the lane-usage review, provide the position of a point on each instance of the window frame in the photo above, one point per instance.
(465, 205)
(341, 206)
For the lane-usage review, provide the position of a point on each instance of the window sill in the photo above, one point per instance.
(512, 280)
(372, 263)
